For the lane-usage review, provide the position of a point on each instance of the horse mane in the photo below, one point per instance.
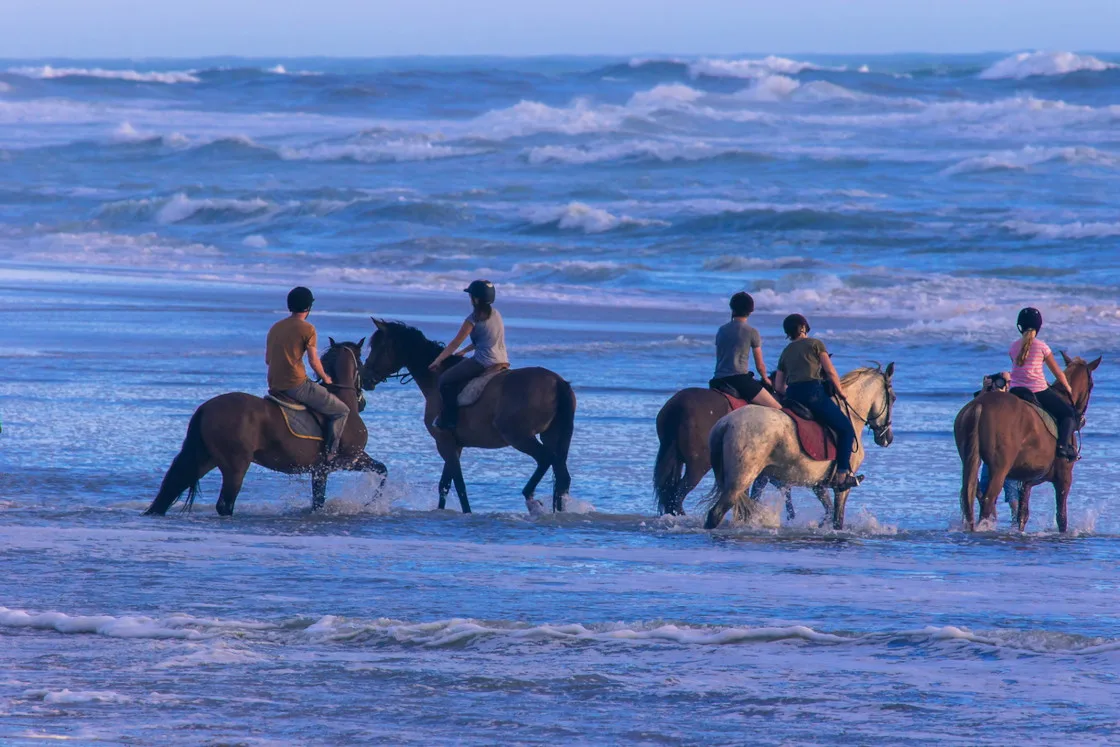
(414, 342)
(859, 373)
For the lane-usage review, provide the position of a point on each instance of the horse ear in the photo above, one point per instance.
(1065, 359)
(333, 343)
(361, 342)
(1093, 364)
(890, 370)
(378, 323)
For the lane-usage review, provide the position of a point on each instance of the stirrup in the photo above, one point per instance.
(851, 481)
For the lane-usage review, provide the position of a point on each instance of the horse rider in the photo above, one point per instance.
(1012, 489)
(288, 341)
(736, 341)
(1028, 354)
(803, 371)
(488, 341)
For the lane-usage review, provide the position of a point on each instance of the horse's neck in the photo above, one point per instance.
(427, 381)
(861, 396)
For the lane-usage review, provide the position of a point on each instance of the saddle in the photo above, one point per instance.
(732, 400)
(302, 421)
(472, 392)
(1047, 419)
(817, 442)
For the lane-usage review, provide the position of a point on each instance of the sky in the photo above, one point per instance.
(372, 28)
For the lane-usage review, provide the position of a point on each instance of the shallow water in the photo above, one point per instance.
(151, 221)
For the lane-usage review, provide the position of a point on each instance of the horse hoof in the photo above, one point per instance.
(535, 507)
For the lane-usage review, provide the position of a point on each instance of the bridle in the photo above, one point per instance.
(357, 384)
(881, 430)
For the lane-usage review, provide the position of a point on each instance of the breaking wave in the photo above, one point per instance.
(1031, 64)
(47, 72)
(578, 216)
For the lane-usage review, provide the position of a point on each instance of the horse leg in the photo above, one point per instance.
(1063, 480)
(445, 484)
(838, 509)
(995, 490)
(734, 494)
(760, 485)
(791, 512)
(318, 489)
(821, 492)
(233, 474)
(1023, 511)
(694, 472)
(460, 485)
(534, 448)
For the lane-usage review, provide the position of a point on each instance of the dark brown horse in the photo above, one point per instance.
(232, 431)
(512, 411)
(683, 456)
(1007, 435)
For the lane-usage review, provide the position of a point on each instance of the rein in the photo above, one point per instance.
(852, 414)
(357, 385)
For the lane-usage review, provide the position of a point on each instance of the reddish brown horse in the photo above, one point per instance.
(232, 431)
(512, 410)
(1007, 434)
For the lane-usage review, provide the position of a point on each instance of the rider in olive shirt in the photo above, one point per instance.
(801, 377)
(736, 341)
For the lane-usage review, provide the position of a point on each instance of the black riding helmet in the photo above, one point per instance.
(483, 290)
(300, 300)
(792, 323)
(741, 304)
(1030, 318)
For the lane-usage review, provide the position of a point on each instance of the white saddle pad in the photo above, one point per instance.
(472, 392)
(1048, 421)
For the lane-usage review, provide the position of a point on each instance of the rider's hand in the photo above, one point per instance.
(434, 365)
(327, 380)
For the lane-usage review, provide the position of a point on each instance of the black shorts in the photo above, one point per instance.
(746, 385)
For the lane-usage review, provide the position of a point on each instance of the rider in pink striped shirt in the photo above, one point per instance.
(1028, 355)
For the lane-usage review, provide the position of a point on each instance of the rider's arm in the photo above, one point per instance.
(760, 364)
(830, 372)
(452, 346)
(317, 365)
(1059, 374)
(779, 381)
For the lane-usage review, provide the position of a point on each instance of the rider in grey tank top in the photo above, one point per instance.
(489, 339)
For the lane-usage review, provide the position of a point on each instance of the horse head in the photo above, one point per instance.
(394, 347)
(880, 414)
(1079, 373)
(343, 363)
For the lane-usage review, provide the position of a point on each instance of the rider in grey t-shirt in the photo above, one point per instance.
(736, 342)
(489, 338)
(488, 341)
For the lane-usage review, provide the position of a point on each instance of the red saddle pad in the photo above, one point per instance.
(735, 402)
(816, 440)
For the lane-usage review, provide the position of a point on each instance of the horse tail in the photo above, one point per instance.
(667, 468)
(967, 431)
(184, 472)
(563, 422)
(715, 445)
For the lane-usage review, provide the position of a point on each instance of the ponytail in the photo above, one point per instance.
(1025, 346)
(482, 310)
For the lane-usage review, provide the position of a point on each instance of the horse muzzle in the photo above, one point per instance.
(884, 437)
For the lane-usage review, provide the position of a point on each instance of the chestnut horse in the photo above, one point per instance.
(1007, 435)
(232, 431)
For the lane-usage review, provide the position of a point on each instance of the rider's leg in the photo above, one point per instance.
(829, 413)
(1066, 416)
(322, 401)
(766, 399)
(451, 383)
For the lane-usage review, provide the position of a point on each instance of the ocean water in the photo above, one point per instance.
(154, 213)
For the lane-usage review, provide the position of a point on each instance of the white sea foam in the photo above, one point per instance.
(578, 216)
(749, 68)
(47, 72)
(1021, 160)
(652, 150)
(1030, 64)
(76, 697)
(393, 150)
(1076, 230)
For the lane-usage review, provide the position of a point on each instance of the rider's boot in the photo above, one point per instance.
(846, 481)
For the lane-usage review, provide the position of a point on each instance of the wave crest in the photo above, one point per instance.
(47, 72)
(1031, 64)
